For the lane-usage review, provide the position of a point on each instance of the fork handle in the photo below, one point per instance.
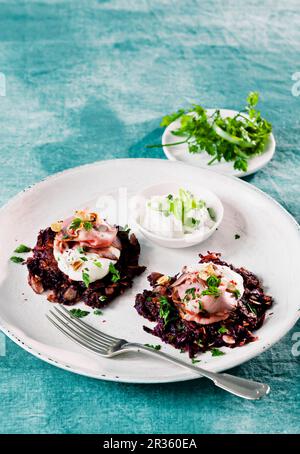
(241, 387)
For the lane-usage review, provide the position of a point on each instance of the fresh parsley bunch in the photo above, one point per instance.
(234, 139)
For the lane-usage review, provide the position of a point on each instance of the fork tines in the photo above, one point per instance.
(81, 332)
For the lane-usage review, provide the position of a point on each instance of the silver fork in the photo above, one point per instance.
(109, 346)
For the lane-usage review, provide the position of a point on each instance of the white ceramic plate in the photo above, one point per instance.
(269, 246)
(181, 153)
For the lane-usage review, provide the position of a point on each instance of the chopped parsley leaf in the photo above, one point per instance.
(102, 298)
(83, 258)
(195, 361)
(86, 278)
(217, 352)
(115, 273)
(155, 347)
(17, 259)
(222, 330)
(98, 312)
(165, 310)
(87, 225)
(81, 249)
(237, 236)
(75, 224)
(98, 264)
(22, 248)
(79, 313)
(213, 281)
(214, 291)
(236, 293)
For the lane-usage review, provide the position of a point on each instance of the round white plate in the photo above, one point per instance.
(269, 246)
(181, 153)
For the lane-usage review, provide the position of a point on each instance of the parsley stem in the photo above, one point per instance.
(166, 144)
(212, 160)
(245, 118)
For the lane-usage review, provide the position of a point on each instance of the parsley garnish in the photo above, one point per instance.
(195, 361)
(83, 258)
(87, 225)
(217, 352)
(214, 291)
(165, 310)
(22, 248)
(236, 293)
(155, 347)
(81, 249)
(86, 278)
(213, 281)
(115, 273)
(98, 264)
(234, 139)
(223, 330)
(102, 298)
(237, 236)
(17, 259)
(98, 312)
(78, 313)
(75, 224)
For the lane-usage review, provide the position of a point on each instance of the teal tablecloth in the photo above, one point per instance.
(89, 80)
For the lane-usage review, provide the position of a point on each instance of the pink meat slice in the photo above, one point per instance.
(217, 308)
(102, 237)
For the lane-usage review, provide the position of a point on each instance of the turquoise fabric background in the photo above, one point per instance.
(90, 80)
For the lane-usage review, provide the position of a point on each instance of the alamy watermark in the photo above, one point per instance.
(2, 84)
(296, 345)
(295, 90)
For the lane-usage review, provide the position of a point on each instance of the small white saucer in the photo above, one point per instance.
(181, 153)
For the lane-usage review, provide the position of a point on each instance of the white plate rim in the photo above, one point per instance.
(236, 173)
(6, 329)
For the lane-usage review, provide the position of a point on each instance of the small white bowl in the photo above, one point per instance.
(181, 153)
(189, 239)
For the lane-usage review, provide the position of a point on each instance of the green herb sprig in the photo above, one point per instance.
(154, 347)
(235, 139)
(22, 248)
(217, 352)
(16, 259)
(78, 313)
(166, 311)
(115, 274)
(86, 278)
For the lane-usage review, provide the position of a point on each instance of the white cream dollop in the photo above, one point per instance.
(96, 267)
